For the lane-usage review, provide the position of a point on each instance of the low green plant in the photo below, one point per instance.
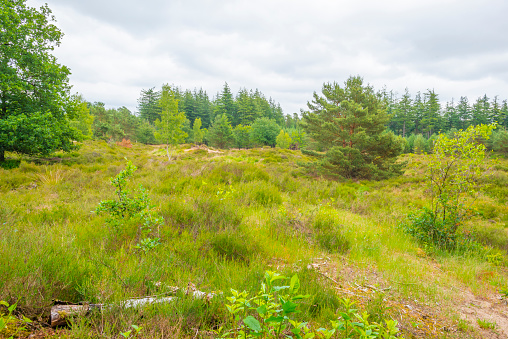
(10, 326)
(504, 293)
(271, 314)
(130, 333)
(132, 209)
(486, 325)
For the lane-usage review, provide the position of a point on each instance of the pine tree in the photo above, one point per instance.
(225, 104)
(402, 120)
(503, 120)
(349, 124)
(148, 105)
(419, 112)
(464, 113)
(431, 118)
(246, 108)
(204, 109)
(450, 117)
(480, 111)
(220, 134)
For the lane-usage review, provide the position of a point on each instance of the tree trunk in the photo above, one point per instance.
(2, 155)
(167, 152)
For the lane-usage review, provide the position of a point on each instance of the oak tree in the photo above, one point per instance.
(34, 87)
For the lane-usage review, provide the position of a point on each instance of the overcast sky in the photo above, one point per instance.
(285, 48)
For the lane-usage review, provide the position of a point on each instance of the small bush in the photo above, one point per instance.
(10, 164)
(431, 231)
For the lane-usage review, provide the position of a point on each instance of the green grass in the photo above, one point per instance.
(228, 218)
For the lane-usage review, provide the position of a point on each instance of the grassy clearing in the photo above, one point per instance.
(229, 217)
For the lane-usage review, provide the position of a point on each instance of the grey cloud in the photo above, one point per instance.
(286, 48)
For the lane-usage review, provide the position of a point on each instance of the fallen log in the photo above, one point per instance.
(60, 313)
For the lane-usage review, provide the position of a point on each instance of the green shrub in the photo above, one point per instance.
(130, 209)
(272, 313)
(431, 231)
(10, 164)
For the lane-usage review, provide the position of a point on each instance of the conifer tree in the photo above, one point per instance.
(225, 104)
(431, 118)
(148, 105)
(220, 133)
(349, 124)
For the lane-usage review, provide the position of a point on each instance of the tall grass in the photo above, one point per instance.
(228, 217)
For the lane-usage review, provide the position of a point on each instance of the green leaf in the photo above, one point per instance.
(126, 334)
(252, 323)
(274, 319)
(261, 309)
(289, 307)
(296, 330)
(294, 284)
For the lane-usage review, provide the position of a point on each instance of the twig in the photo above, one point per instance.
(403, 283)
(324, 275)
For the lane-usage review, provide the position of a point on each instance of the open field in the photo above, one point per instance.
(229, 216)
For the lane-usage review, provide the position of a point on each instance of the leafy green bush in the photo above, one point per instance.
(432, 232)
(131, 209)
(271, 314)
(10, 164)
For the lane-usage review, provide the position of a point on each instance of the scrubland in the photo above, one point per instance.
(229, 216)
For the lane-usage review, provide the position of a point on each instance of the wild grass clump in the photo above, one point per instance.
(263, 194)
(235, 246)
(328, 232)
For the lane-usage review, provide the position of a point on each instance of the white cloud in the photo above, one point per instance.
(286, 48)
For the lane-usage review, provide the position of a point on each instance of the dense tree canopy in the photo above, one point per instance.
(349, 124)
(34, 86)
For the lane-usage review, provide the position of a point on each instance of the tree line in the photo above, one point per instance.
(38, 115)
(424, 113)
(245, 120)
(420, 118)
